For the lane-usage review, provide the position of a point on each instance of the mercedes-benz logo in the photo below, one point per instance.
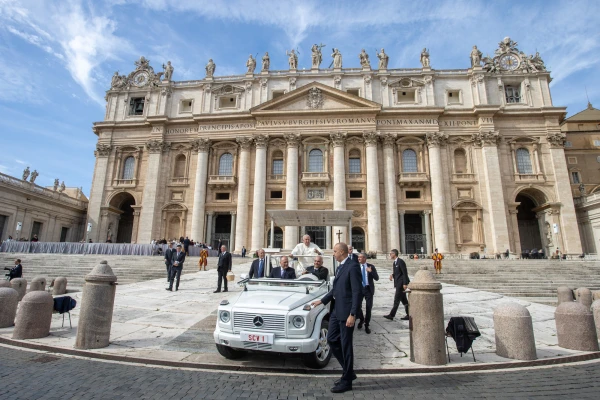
(258, 321)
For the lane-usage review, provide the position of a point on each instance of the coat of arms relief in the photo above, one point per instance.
(315, 98)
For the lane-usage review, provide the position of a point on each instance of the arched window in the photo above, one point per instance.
(128, 167)
(354, 162)
(179, 170)
(409, 161)
(315, 161)
(277, 168)
(226, 164)
(524, 161)
(460, 161)
(466, 229)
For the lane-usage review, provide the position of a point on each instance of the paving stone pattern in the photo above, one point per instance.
(32, 375)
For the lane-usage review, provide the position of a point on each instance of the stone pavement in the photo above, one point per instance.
(39, 375)
(150, 322)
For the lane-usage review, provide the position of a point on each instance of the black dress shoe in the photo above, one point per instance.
(367, 330)
(405, 318)
(341, 388)
(225, 290)
(339, 381)
(169, 289)
(388, 317)
(176, 289)
(217, 291)
(360, 324)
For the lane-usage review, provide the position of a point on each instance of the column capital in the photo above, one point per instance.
(210, 213)
(556, 140)
(261, 141)
(370, 138)
(388, 139)
(401, 212)
(233, 212)
(245, 142)
(436, 139)
(200, 145)
(102, 150)
(338, 138)
(157, 146)
(486, 139)
(292, 139)
(426, 212)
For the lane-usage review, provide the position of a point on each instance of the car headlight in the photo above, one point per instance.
(298, 321)
(224, 316)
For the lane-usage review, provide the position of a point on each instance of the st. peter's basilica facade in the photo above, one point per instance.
(465, 160)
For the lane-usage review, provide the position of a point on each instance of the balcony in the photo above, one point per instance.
(530, 178)
(276, 178)
(462, 177)
(315, 179)
(354, 177)
(222, 181)
(126, 183)
(413, 179)
(179, 181)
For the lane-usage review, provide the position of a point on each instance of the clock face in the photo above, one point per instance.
(140, 79)
(509, 62)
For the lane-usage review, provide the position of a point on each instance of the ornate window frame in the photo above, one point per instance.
(227, 90)
(276, 145)
(418, 145)
(407, 84)
(459, 102)
(356, 143)
(466, 144)
(177, 150)
(533, 146)
(121, 154)
(472, 209)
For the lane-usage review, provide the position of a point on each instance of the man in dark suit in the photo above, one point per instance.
(258, 269)
(401, 281)
(177, 260)
(345, 299)
(169, 260)
(369, 275)
(186, 246)
(284, 271)
(223, 266)
(353, 256)
(318, 269)
(16, 271)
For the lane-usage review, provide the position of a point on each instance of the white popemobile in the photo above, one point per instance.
(274, 315)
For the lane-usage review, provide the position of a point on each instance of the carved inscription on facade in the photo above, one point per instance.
(315, 194)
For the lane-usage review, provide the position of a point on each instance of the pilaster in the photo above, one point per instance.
(96, 193)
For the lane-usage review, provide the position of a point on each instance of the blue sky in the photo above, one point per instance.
(57, 57)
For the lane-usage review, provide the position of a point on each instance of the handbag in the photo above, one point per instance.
(230, 276)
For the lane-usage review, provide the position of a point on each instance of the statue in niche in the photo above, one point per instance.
(425, 58)
(34, 175)
(548, 231)
(383, 59)
(317, 57)
(25, 173)
(582, 189)
(337, 58)
(251, 64)
(292, 59)
(266, 62)
(364, 59)
(210, 68)
(476, 57)
(168, 74)
(62, 187)
(55, 184)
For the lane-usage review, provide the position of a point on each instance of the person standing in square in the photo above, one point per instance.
(223, 266)
(401, 281)
(176, 268)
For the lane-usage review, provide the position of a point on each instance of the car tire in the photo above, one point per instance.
(320, 357)
(229, 353)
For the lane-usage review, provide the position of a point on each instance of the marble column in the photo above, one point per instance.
(429, 247)
(373, 199)
(241, 230)
(328, 237)
(232, 231)
(260, 188)
(96, 193)
(209, 220)
(389, 187)
(201, 146)
(338, 140)
(402, 233)
(440, 228)
(272, 238)
(155, 149)
(291, 188)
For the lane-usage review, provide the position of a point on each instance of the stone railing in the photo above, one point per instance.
(276, 177)
(178, 181)
(529, 178)
(463, 177)
(356, 177)
(413, 178)
(41, 191)
(315, 178)
(579, 201)
(221, 180)
(126, 182)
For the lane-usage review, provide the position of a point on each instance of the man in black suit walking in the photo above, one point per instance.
(177, 260)
(351, 254)
(345, 298)
(223, 266)
(186, 246)
(169, 260)
(401, 281)
(283, 272)
(258, 269)
(369, 275)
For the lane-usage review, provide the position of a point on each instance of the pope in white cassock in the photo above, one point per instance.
(308, 249)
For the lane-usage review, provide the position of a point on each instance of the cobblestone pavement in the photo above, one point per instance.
(35, 375)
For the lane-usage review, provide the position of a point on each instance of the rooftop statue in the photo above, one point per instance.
(168, 74)
(251, 64)
(210, 68)
(55, 184)
(475, 57)
(34, 175)
(383, 59)
(317, 57)
(266, 62)
(292, 59)
(364, 59)
(26, 173)
(425, 58)
(337, 58)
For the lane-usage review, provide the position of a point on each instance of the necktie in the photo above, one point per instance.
(282, 272)
(364, 273)
(260, 268)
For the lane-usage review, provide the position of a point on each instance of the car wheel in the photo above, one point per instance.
(229, 353)
(321, 356)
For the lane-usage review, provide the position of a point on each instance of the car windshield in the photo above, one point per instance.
(303, 264)
(299, 286)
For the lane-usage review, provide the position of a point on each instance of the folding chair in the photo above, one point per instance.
(464, 331)
(64, 305)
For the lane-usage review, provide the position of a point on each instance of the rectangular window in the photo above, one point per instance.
(406, 97)
(413, 194)
(513, 94)
(354, 166)
(222, 196)
(186, 106)
(356, 194)
(597, 143)
(276, 194)
(568, 144)
(136, 106)
(227, 102)
(572, 160)
(580, 127)
(277, 93)
(355, 92)
(454, 97)
(575, 177)
(277, 167)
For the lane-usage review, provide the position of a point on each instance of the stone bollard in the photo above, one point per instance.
(37, 284)
(565, 294)
(20, 285)
(34, 316)
(97, 303)
(596, 313)
(575, 327)
(595, 295)
(584, 296)
(427, 319)
(60, 286)
(9, 299)
(514, 332)
(4, 283)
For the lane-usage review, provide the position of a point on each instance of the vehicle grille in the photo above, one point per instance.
(272, 323)
(257, 346)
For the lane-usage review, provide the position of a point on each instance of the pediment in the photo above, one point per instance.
(316, 97)
(227, 89)
(406, 82)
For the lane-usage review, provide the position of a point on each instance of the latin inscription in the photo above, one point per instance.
(227, 127)
(182, 130)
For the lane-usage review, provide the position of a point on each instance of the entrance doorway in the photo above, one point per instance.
(64, 231)
(173, 228)
(222, 231)
(123, 202)
(413, 232)
(358, 239)
(278, 238)
(317, 235)
(529, 227)
(3, 219)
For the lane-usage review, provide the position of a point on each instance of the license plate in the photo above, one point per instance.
(256, 337)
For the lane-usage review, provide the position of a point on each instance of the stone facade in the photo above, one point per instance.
(462, 160)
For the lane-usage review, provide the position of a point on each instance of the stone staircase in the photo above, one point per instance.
(531, 280)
